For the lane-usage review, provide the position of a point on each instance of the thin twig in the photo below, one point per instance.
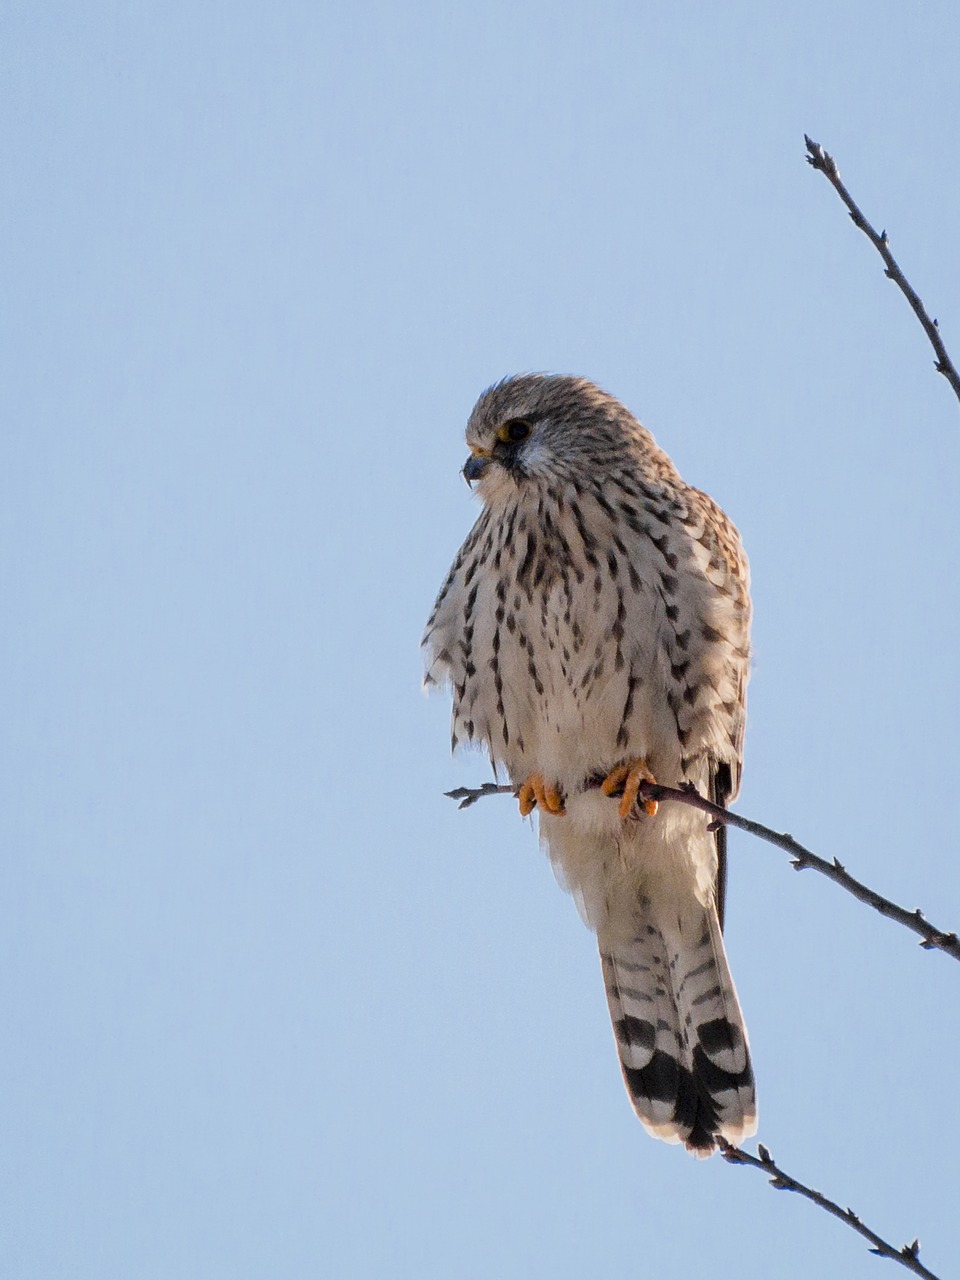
(823, 161)
(908, 1255)
(470, 795)
(931, 938)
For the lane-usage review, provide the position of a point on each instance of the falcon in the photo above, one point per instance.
(594, 629)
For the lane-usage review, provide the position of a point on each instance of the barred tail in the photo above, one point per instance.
(679, 1029)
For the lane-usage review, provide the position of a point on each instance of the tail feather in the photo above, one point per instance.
(679, 1029)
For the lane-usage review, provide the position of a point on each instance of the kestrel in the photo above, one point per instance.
(594, 629)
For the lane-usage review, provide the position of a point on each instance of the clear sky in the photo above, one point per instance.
(271, 1007)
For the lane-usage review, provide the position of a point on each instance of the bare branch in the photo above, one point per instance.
(908, 1255)
(470, 795)
(931, 938)
(823, 161)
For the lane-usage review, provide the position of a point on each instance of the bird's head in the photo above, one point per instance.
(539, 428)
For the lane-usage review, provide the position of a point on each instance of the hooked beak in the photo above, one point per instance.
(475, 466)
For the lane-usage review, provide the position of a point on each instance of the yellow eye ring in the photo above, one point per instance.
(513, 431)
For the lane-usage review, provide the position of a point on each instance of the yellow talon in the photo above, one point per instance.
(628, 777)
(535, 793)
(614, 780)
(553, 801)
(527, 798)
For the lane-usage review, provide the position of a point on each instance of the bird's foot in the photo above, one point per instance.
(535, 793)
(625, 781)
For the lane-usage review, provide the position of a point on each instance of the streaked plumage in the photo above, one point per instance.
(597, 615)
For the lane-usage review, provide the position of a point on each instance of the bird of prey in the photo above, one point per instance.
(594, 628)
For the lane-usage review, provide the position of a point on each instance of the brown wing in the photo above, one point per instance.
(721, 787)
(725, 776)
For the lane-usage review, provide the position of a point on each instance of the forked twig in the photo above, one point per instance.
(470, 795)
(826, 164)
(908, 1255)
(931, 938)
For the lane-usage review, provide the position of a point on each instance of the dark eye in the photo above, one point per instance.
(513, 431)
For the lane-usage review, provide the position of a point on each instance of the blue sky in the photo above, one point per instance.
(271, 1006)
